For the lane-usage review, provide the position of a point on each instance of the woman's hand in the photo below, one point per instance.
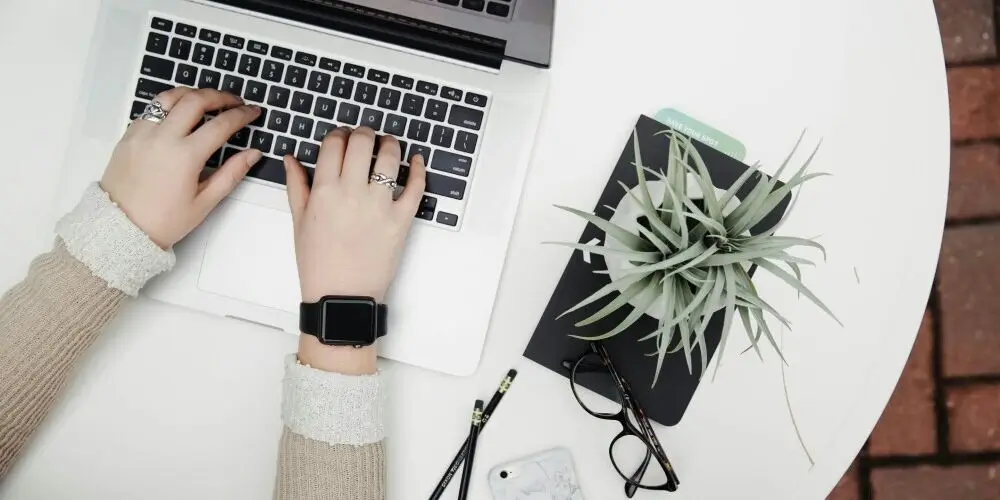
(154, 171)
(349, 233)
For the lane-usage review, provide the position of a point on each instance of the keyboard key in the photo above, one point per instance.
(284, 146)
(446, 161)
(180, 49)
(241, 138)
(498, 9)
(186, 30)
(209, 79)
(418, 149)
(451, 93)
(148, 89)
(308, 153)
(476, 5)
(428, 202)
(156, 67)
(255, 91)
(232, 84)
(319, 82)
(419, 130)
(354, 70)
(249, 65)
(447, 219)
(272, 71)
(269, 169)
(372, 118)
(403, 82)
(378, 76)
(302, 127)
(157, 43)
(162, 24)
(186, 75)
(296, 76)
(233, 41)
(279, 121)
(413, 104)
(137, 108)
(342, 87)
(427, 88)
(389, 99)
(229, 153)
(449, 2)
(281, 53)
(257, 47)
(262, 141)
(325, 108)
(425, 213)
(436, 110)
(395, 125)
(466, 142)
(323, 128)
(475, 99)
(203, 54)
(329, 64)
(465, 117)
(348, 113)
(443, 185)
(304, 58)
(215, 160)
(210, 36)
(302, 102)
(442, 136)
(365, 93)
(226, 60)
(261, 119)
(278, 97)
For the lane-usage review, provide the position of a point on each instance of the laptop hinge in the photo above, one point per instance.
(385, 27)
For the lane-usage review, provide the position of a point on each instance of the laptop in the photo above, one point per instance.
(462, 82)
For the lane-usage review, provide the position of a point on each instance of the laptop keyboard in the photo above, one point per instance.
(305, 94)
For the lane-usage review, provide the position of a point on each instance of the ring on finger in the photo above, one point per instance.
(154, 112)
(383, 180)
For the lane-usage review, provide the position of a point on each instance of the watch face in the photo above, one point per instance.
(349, 321)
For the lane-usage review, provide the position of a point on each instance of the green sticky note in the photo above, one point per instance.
(695, 129)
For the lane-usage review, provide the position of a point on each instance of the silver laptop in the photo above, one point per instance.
(461, 81)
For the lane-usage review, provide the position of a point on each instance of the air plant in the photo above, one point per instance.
(689, 258)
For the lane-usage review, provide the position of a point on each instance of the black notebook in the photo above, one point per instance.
(551, 343)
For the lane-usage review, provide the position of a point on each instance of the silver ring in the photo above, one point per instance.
(153, 112)
(383, 180)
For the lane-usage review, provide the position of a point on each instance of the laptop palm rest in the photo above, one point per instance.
(250, 256)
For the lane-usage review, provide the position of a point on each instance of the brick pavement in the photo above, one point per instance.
(939, 437)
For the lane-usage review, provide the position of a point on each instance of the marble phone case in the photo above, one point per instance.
(548, 475)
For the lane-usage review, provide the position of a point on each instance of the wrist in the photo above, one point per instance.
(314, 296)
(337, 359)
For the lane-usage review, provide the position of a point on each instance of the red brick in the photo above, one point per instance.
(974, 418)
(908, 425)
(969, 285)
(966, 482)
(966, 29)
(847, 488)
(975, 181)
(974, 94)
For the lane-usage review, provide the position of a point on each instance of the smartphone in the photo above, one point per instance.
(548, 475)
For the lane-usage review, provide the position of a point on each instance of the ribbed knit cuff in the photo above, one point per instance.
(101, 236)
(332, 407)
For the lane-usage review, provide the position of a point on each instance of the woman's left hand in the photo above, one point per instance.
(154, 172)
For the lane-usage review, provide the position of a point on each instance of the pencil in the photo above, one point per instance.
(477, 422)
(464, 449)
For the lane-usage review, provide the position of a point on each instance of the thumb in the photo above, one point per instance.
(297, 186)
(226, 178)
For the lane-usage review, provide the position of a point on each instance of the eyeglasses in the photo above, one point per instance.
(636, 453)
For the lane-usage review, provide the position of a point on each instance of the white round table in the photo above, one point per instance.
(177, 404)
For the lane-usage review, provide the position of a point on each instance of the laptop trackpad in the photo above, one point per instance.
(251, 256)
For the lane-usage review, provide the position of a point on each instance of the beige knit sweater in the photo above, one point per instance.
(331, 447)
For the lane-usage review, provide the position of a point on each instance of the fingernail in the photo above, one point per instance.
(417, 156)
(253, 157)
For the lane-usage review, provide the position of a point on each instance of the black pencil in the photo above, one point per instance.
(464, 449)
(477, 423)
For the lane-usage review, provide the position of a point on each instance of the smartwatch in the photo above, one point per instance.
(344, 320)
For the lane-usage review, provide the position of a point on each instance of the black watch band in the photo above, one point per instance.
(344, 320)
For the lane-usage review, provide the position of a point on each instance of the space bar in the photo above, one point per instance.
(269, 169)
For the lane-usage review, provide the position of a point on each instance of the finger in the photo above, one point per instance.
(358, 159)
(167, 99)
(214, 189)
(187, 113)
(387, 162)
(409, 201)
(331, 157)
(297, 186)
(213, 134)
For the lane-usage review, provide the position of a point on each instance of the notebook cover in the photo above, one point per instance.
(550, 345)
